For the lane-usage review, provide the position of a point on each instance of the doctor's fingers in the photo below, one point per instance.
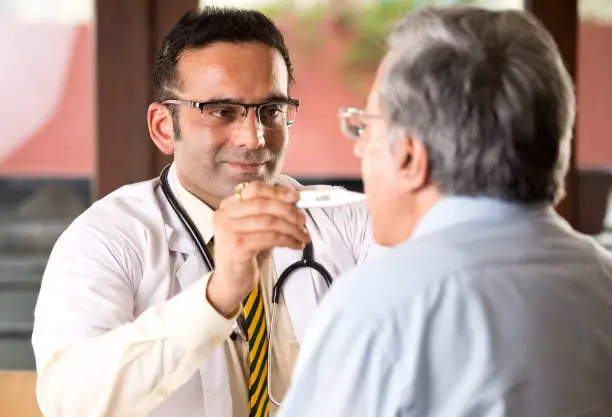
(261, 206)
(259, 241)
(257, 189)
(263, 223)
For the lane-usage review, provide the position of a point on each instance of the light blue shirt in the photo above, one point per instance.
(489, 310)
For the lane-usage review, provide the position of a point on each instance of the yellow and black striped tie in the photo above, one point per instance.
(258, 350)
(258, 354)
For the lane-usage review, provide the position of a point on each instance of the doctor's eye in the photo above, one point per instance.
(222, 113)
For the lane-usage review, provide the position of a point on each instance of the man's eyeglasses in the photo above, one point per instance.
(277, 114)
(353, 122)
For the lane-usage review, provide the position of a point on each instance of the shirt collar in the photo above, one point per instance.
(454, 210)
(200, 213)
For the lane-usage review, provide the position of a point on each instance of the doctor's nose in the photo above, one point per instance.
(250, 134)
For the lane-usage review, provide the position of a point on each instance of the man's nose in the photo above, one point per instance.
(249, 134)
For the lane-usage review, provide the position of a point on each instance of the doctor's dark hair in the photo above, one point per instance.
(487, 94)
(198, 29)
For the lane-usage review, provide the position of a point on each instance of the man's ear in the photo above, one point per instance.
(161, 127)
(411, 162)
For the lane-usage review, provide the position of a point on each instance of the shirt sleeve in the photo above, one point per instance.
(93, 357)
(343, 368)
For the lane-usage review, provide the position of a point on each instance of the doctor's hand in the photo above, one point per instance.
(247, 226)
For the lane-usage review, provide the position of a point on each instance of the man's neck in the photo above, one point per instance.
(410, 214)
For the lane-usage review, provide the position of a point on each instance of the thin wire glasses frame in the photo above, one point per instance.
(353, 122)
(271, 115)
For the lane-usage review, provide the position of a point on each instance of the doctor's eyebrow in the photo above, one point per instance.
(229, 100)
(275, 97)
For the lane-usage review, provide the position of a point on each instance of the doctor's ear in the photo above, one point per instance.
(411, 162)
(161, 127)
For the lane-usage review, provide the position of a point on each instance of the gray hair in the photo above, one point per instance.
(487, 94)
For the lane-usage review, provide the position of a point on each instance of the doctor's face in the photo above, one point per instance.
(222, 143)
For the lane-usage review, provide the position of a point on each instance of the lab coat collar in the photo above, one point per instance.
(178, 238)
(199, 212)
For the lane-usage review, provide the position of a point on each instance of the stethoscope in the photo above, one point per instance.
(239, 326)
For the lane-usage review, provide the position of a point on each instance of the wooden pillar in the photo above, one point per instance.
(561, 18)
(128, 35)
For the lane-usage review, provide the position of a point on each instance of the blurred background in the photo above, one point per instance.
(75, 87)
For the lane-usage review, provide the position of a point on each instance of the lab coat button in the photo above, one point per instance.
(161, 393)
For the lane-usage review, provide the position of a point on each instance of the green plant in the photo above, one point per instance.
(367, 26)
(274, 9)
(306, 21)
(370, 25)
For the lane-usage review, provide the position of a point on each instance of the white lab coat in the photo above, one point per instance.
(164, 252)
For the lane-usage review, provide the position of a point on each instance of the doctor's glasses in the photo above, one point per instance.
(273, 115)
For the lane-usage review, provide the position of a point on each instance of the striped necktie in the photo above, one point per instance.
(258, 350)
(258, 354)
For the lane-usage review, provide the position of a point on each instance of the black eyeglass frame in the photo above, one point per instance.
(203, 104)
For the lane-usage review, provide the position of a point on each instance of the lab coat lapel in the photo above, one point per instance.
(190, 271)
(213, 374)
(178, 238)
(189, 268)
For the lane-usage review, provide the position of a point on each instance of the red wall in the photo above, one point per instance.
(64, 145)
(594, 83)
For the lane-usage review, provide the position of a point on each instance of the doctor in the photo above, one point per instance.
(130, 321)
